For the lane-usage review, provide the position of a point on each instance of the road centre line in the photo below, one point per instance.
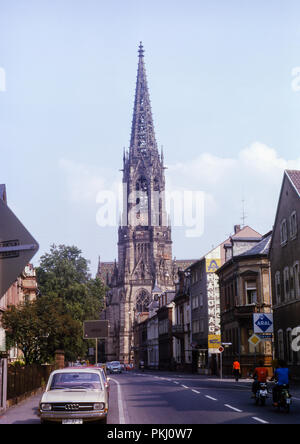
(210, 397)
(233, 408)
(195, 391)
(259, 420)
(184, 386)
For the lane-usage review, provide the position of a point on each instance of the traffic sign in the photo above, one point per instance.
(254, 340)
(95, 329)
(214, 342)
(17, 247)
(221, 349)
(263, 322)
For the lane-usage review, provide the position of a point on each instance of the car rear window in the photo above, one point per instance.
(76, 380)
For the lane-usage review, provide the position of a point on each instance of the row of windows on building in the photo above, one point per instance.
(293, 229)
(287, 284)
(250, 292)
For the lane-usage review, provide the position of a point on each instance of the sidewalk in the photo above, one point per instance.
(24, 412)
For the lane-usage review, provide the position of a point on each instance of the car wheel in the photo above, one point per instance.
(103, 420)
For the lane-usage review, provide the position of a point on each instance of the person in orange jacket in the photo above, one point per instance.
(236, 370)
(260, 375)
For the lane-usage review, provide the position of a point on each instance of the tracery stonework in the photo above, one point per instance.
(144, 236)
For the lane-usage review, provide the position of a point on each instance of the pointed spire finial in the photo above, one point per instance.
(141, 50)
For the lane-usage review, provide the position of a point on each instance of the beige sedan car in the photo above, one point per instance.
(74, 396)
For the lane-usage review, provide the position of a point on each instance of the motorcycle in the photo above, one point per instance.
(284, 399)
(261, 394)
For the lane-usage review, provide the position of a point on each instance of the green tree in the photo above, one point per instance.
(38, 328)
(63, 276)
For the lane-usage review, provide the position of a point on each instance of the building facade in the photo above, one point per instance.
(285, 266)
(181, 328)
(205, 298)
(245, 290)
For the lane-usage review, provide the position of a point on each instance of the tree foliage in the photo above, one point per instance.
(67, 297)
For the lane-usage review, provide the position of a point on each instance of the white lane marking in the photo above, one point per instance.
(195, 391)
(175, 382)
(210, 397)
(233, 408)
(184, 386)
(120, 403)
(260, 420)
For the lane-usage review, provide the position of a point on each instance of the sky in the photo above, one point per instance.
(223, 81)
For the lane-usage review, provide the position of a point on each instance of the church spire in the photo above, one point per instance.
(142, 141)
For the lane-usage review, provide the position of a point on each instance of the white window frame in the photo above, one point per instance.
(251, 289)
(278, 295)
(283, 232)
(280, 344)
(196, 326)
(286, 277)
(296, 271)
(293, 225)
(195, 302)
(292, 287)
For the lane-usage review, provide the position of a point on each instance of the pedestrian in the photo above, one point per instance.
(236, 367)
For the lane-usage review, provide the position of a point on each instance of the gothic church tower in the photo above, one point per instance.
(145, 263)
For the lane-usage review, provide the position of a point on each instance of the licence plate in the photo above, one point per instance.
(72, 421)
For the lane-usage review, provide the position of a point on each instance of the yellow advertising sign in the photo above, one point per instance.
(212, 265)
(214, 341)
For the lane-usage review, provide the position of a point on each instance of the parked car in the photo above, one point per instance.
(103, 366)
(106, 380)
(115, 367)
(74, 396)
(108, 364)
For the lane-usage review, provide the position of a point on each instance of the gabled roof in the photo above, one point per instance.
(294, 176)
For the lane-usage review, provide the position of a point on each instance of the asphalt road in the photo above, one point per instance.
(168, 398)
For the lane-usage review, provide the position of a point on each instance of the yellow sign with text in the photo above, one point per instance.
(212, 265)
(214, 341)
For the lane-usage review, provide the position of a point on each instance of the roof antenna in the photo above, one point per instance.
(244, 216)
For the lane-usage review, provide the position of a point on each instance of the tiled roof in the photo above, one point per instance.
(261, 248)
(294, 176)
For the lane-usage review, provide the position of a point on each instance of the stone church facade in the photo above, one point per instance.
(145, 267)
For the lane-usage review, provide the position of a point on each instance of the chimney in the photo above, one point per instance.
(3, 193)
(237, 228)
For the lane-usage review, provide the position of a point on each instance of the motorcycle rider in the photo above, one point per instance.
(260, 375)
(282, 376)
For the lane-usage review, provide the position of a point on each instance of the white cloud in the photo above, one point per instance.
(84, 182)
(255, 175)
